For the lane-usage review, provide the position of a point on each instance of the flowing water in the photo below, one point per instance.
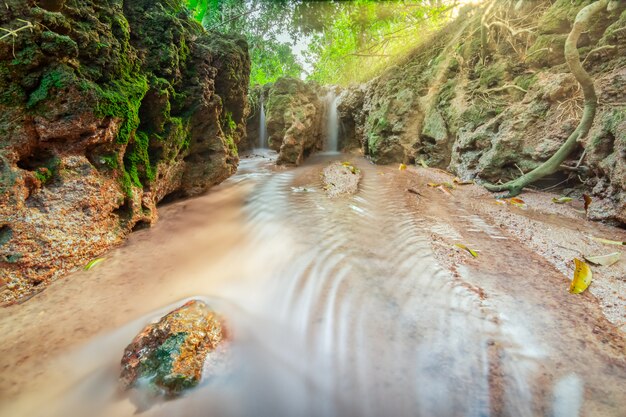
(262, 128)
(332, 122)
(339, 308)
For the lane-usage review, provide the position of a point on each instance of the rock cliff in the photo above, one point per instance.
(490, 107)
(294, 119)
(106, 109)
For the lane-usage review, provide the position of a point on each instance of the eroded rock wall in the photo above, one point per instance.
(105, 110)
(294, 113)
(491, 117)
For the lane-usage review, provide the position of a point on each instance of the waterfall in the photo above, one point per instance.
(262, 128)
(332, 123)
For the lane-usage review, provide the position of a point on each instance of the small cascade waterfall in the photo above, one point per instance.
(332, 123)
(262, 128)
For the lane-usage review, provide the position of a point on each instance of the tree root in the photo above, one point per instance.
(572, 57)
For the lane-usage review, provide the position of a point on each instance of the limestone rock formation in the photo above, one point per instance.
(105, 110)
(294, 112)
(169, 356)
(490, 120)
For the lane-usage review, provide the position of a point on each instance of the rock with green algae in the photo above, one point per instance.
(168, 357)
(129, 102)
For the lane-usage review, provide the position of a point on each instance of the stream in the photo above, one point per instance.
(338, 308)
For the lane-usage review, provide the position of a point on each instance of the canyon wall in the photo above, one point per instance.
(106, 109)
(489, 110)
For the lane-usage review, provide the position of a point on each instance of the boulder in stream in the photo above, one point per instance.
(169, 356)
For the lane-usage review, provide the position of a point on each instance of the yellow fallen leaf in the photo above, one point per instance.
(588, 201)
(471, 252)
(561, 200)
(441, 184)
(459, 181)
(582, 277)
(346, 164)
(93, 263)
(607, 241)
(604, 260)
(423, 163)
(518, 202)
(402, 167)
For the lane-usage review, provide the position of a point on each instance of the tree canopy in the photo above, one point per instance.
(336, 42)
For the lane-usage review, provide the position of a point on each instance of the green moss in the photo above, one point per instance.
(491, 76)
(179, 136)
(122, 100)
(447, 92)
(56, 78)
(110, 161)
(137, 160)
(59, 45)
(27, 57)
(48, 170)
(525, 81)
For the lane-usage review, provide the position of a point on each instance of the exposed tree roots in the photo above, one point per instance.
(589, 111)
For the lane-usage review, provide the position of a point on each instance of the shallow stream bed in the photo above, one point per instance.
(355, 306)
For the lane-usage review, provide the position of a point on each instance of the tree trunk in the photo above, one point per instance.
(591, 101)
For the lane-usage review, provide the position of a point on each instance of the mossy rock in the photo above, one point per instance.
(547, 51)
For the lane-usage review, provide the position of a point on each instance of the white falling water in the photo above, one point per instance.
(332, 123)
(262, 129)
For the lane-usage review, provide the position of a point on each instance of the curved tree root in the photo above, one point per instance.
(589, 112)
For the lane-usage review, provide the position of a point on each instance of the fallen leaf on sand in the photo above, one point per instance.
(608, 242)
(441, 184)
(93, 263)
(402, 167)
(561, 200)
(471, 252)
(582, 277)
(588, 201)
(517, 202)
(458, 181)
(604, 260)
(412, 191)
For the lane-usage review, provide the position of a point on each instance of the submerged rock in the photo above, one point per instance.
(341, 179)
(169, 356)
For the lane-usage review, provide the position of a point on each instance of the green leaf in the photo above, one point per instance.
(93, 263)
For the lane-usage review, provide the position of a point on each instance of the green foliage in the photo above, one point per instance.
(264, 24)
(361, 38)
